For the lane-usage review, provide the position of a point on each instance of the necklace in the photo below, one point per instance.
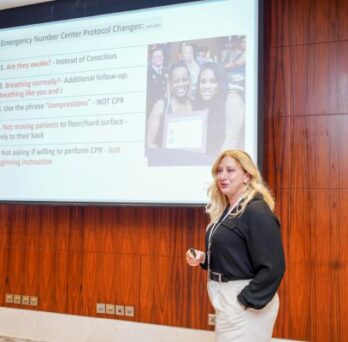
(215, 227)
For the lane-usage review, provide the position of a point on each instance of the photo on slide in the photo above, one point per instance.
(195, 100)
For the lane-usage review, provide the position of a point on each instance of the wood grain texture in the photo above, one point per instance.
(277, 87)
(317, 156)
(341, 152)
(314, 230)
(31, 252)
(340, 250)
(75, 257)
(277, 23)
(340, 306)
(17, 233)
(305, 22)
(325, 304)
(319, 79)
(4, 235)
(62, 227)
(61, 290)
(15, 281)
(311, 305)
(276, 161)
(173, 294)
(174, 230)
(306, 83)
(282, 210)
(294, 320)
(47, 285)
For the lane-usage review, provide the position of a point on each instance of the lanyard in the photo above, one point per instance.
(215, 227)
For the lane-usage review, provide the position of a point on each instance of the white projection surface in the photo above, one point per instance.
(79, 103)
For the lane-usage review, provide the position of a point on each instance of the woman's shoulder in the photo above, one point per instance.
(257, 210)
(258, 206)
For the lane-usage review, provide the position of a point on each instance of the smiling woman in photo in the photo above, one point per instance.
(178, 101)
(226, 118)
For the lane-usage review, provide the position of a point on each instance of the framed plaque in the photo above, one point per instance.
(186, 131)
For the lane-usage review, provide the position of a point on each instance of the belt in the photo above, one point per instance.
(218, 277)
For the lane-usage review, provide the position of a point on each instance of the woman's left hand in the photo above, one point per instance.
(195, 260)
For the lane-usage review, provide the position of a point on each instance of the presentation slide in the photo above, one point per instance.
(127, 108)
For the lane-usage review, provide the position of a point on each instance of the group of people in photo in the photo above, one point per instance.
(203, 75)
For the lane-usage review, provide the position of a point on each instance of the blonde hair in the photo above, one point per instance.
(255, 185)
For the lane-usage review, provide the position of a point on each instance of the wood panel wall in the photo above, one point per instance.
(306, 161)
(74, 257)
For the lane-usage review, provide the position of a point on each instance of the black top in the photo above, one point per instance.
(249, 247)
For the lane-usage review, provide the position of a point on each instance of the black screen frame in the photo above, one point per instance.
(71, 9)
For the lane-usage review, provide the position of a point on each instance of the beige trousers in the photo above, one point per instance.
(235, 324)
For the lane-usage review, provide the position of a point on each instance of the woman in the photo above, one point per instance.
(244, 254)
(177, 102)
(226, 117)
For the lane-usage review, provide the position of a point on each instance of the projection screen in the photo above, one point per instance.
(129, 107)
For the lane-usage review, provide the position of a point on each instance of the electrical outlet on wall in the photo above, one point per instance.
(8, 298)
(110, 309)
(25, 300)
(211, 319)
(100, 308)
(17, 299)
(129, 311)
(34, 301)
(119, 310)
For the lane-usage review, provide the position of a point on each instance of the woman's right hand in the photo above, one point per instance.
(195, 260)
